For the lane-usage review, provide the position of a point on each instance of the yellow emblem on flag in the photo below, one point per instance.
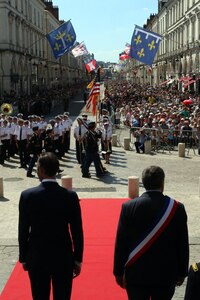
(141, 53)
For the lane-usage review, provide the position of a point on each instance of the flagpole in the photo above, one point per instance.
(99, 97)
(98, 110)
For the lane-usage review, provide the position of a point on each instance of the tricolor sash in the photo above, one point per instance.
(151, 236)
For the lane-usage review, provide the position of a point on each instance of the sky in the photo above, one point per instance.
(105, 26)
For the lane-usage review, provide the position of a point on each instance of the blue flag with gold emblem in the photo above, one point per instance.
(144, 45)
(62, 39)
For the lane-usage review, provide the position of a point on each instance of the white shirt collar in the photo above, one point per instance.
(49, 180)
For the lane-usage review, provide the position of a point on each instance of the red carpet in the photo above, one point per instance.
(96, 282)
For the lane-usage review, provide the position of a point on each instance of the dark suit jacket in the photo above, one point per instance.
(168, 256)
(50, 225)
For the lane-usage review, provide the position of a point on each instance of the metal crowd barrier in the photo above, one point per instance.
(161, 139)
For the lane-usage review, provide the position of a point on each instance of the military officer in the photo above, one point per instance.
(35, 146)
(92, 138)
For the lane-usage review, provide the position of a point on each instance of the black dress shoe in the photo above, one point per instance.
(86, 175)
(30, 175)
(100, 174)
(60, 171)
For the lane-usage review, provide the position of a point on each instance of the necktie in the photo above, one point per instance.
(20, 134)
(79, 131)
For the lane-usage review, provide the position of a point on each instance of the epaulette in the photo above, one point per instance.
(195, 267)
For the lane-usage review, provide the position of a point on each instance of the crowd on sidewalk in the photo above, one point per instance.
(156, 110)
(149, 113)
(42, 101)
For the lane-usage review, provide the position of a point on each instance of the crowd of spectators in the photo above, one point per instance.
(157, 110)
(41, 101)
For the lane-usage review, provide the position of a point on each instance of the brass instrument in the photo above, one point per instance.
(6, 108)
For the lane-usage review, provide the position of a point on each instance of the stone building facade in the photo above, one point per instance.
(26, 59)
(178, 22)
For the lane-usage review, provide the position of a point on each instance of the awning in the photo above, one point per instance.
(186, 78)
(188, 83)
(164, 82)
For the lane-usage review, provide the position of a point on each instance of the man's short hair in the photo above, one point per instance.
(153, 178)
(49, 162)
(92, 125)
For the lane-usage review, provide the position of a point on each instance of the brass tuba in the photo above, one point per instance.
(6, 108)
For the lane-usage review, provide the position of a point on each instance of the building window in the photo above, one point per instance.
(10, 30)
(198, 28)
(193, 31)
(25, 8)
(34, 16)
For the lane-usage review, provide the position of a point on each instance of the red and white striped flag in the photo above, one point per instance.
(94, 93)
(92, 99)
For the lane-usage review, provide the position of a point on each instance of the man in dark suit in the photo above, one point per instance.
(151, 250)
(50, 233)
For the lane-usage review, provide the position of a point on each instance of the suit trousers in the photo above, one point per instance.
(43, 277)
(150, 292)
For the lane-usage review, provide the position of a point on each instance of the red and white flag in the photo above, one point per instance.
(92, 99)
(91, 66)
(127, 49)
(79, 50)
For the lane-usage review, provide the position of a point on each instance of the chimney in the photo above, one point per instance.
(161, 4)
(53, 9)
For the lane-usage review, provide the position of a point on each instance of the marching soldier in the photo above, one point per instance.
(79, 135)
(12, 140)
(67, 124)
(60, 145)
(5, 140)
(48, 140)
(21, 142)
(55, 136)
(1, 156)
(35, 146)
(106, 142)
(92, 138)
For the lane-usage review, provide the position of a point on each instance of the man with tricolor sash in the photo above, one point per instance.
(151, 250)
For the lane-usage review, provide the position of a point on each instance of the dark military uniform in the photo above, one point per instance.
(192, 291)
(35, 145)
(91, 152)
(48, 142)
